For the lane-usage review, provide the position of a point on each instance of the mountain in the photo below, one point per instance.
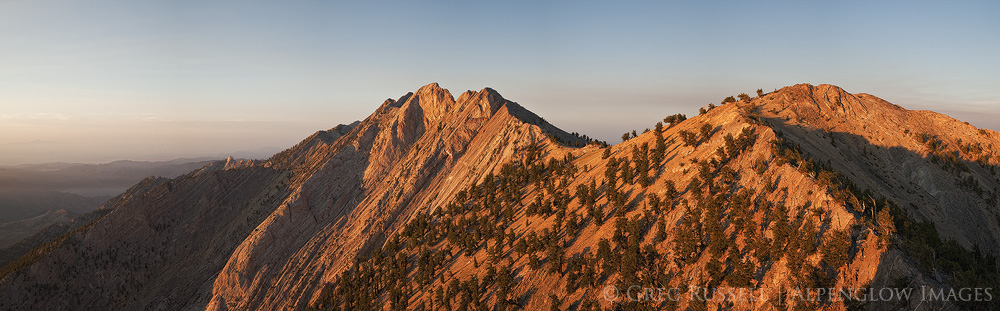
(34, 196)
(476, 203)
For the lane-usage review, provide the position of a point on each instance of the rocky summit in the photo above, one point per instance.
(476, 203)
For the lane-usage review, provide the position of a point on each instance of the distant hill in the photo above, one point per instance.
(476, 203)
(14, 231)
(105, 179)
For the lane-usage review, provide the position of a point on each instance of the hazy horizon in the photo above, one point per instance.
(110, 80)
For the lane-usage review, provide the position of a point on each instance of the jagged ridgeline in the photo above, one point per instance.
(475, 203)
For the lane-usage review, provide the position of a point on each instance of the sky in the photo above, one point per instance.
(97, 81)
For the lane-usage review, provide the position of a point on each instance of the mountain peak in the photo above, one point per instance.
(824, 103)
(434, 90)
(432, 85)
(809, 91)
(433, 104)
(487, 100)
(490, 91)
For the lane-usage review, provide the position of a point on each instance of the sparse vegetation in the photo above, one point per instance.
(729, 99)
(706, 132)
(675, 119)
(739, 213)
(835, 249)
(689, 139)
(737, 229)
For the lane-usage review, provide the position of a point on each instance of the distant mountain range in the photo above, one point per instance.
(476, 203)
(105, 179)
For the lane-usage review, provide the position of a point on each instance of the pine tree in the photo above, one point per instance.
(653, 201)
(835, 249)
(661, 145)
(781, 230)
(641, 158)
(809, 233)
(742, 273)
(533, 261)
(661, 231)
(605, 254)
(556, 257)
(669, 194)
(611, 176)
(554, 302)
(627, 172)
(689, 139)
(713, 227)
(706, 132)
(521, 247)
(672, 120)
(715, 271)
(686, 237)
(885, 225)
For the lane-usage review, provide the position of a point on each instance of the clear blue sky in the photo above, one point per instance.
(104, 80)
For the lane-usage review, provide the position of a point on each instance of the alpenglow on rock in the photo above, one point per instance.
(476, 202)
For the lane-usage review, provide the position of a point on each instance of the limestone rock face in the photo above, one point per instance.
(279, 234)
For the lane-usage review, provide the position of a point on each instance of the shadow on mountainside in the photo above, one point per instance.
(943, 230)
(141, 254)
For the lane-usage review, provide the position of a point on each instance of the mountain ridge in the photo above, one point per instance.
(441, 192)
